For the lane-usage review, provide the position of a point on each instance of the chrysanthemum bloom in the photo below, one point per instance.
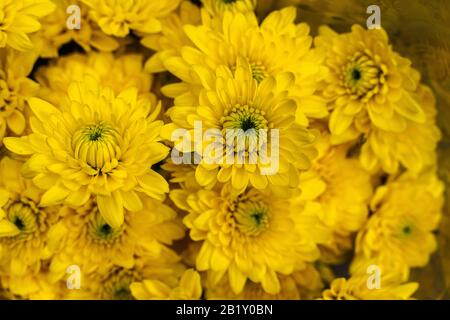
(356, 288)
(55, 31)
(372, 93)
(230, 102)
(339, 190)
(119, 17)
(255, 235)
(406, 212)
(127, 71)
(84, 238)
(219, 7)
(96, 144)
(172, 37)
(277, 45)
(340, 185)
(20, 18)
(189, 288)
(115, 283)
(23, 224)
(15, 88)
(414, 148)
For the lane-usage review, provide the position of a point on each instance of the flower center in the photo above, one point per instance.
(97, 145)
(23, 217)
(259, 71)
(362, 78)
(406, 230)
(100, 231)
(245, 118)
(123, 293)
(117, 285)
(250, 214)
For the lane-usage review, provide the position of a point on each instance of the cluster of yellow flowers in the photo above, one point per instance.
(95, 205)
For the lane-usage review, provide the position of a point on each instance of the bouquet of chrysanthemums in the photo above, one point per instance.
(215, 149)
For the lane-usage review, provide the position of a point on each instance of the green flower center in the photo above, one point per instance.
(251, 215)
(123, 293)
(244, 118)
(100, 231)
(23, 217)
(407, 230)
(116, 286)
(362, 77)
(19, 224)
(356, 74)
(97, 145)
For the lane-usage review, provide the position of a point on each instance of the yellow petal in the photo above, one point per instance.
(153, 184)
(42, 109)
(78, 198)
(190, 283)
(111, 209)
(204, 176)
(16, 122)
(409, 108)
(339, 122)
(270, 282)
(131, 201)
(237, 279)
(54, 195)
(4, 196)
(18, 145)
(8, 229)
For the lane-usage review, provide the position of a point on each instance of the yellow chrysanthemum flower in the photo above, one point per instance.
(341, 187)
(189, 288)
(368, 84)
(172, 37)
(406, 212)
(95, 144)
(15, 88)
(20, 18)
(219, 7)
(23, 224)
(254, 235)
(55, 32)
(84, 238)
(119, 17)
(414, 148)
(356, 288)
(339, 191)
(274, 47)
(115, 283)
(372, 92)
(235, 101)
(127, 69)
